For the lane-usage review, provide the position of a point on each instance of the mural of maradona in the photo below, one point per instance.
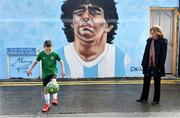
(90, 27)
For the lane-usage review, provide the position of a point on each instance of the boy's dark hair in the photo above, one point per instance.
(47, 43)
(110, 14)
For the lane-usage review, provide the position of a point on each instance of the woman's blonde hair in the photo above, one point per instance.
(157, 30)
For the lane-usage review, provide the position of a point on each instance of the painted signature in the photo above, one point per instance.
(135, 69)
(21, 65)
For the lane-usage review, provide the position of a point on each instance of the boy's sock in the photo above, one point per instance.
(47, 98)
(55, 96)
(53, 80)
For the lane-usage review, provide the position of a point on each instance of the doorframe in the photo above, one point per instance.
(174, 36)
(178, 15)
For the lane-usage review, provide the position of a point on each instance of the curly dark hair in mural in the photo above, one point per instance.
(110, 14)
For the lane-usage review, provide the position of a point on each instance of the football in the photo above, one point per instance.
(52, 87)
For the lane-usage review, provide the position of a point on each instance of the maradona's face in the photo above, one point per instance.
(89, 23)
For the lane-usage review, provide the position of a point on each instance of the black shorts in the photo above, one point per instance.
(48, 78)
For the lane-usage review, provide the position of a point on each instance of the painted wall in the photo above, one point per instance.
(27, 23)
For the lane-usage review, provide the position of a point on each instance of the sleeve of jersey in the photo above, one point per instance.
(58, 57)
(38, 57)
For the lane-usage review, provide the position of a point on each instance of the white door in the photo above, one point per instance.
(164, 18)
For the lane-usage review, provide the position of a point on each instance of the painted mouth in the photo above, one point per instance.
(86, 27)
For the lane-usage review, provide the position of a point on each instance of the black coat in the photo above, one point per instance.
(160, 55)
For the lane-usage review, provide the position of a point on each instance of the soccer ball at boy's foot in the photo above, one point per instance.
(52, 87)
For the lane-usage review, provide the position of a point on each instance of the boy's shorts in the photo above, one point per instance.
(48, 78)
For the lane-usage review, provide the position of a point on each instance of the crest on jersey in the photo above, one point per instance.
(52, 57)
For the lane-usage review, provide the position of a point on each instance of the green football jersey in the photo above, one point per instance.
(48, 63)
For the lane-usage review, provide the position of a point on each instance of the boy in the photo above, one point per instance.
(49, 71)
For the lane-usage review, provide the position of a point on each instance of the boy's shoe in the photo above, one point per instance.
(55, 101)
(45, 108)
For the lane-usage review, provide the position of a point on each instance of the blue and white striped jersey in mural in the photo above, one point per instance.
(108, 64)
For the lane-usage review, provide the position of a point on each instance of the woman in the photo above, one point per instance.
(153, 63)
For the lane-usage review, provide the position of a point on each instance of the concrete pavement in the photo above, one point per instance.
(114, 98)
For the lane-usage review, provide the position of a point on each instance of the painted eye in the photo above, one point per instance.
(94, 12)
(78, 12)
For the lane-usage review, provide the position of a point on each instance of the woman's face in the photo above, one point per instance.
(153, 34)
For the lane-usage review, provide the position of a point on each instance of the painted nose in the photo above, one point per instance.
(86, 17)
